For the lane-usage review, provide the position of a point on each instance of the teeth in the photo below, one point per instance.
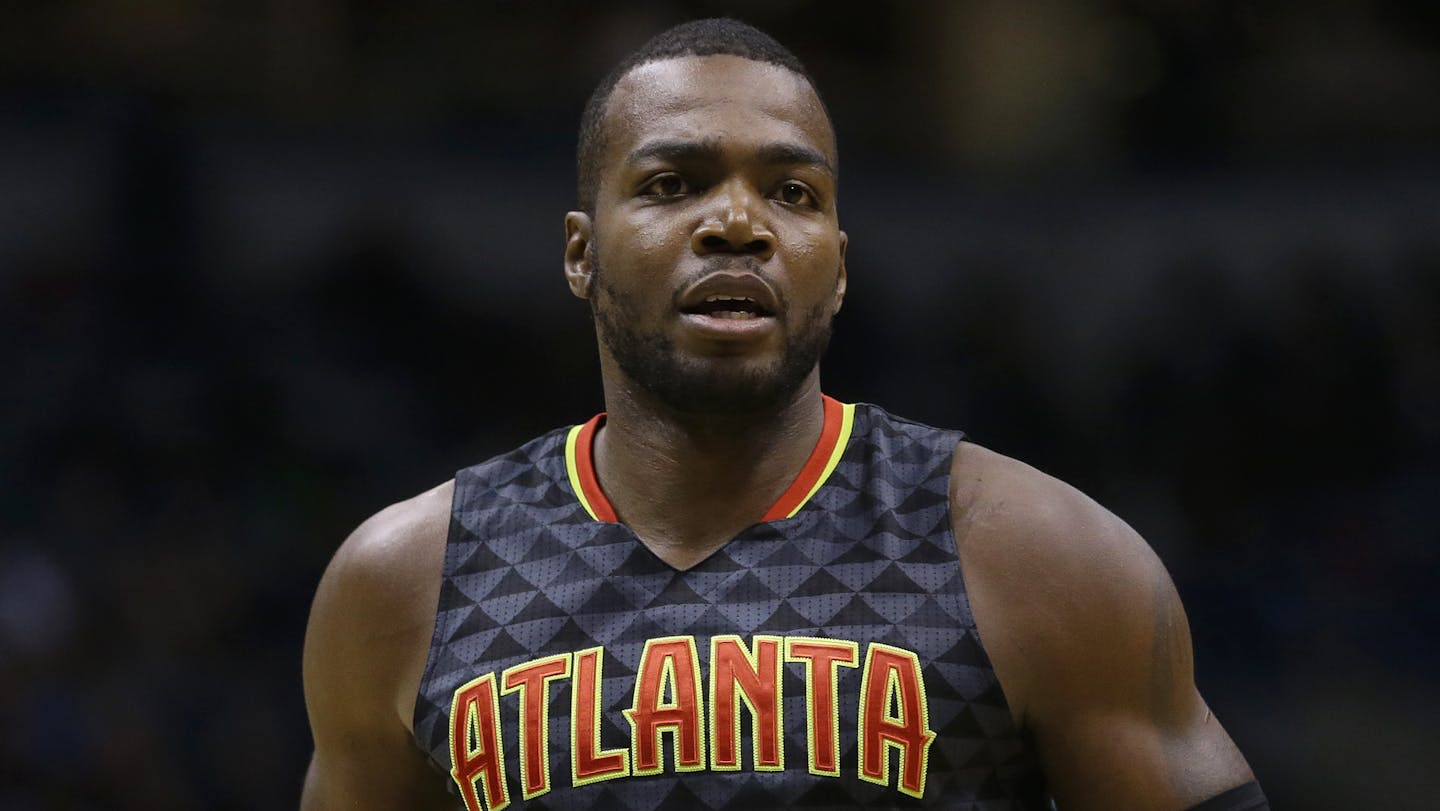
(733, 314)
(709, 299)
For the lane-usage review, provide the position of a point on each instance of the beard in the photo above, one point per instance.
(691, 385)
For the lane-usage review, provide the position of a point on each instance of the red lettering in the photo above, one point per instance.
(894, 714)
(475, 745)
(755, 680)
(668, 665)
(532, 680)
(822, 657)
(588, 762)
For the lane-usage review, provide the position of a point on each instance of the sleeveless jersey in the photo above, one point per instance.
(825, 657)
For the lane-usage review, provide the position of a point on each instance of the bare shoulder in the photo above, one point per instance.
(1041, 526)
(375, 606)
(1088, 639)
(392, 552)
(365, 651)
(1055, 579)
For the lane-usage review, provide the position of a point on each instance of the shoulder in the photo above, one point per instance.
(374, 609)
(1088, 639)
(1057, 583)
(1005, 506)
(365, 650)
(385, 544)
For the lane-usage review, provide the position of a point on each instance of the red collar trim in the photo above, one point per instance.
(815, 467)
(821, 462)
(590, 493)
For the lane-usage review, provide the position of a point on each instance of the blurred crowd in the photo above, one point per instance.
(240, 314)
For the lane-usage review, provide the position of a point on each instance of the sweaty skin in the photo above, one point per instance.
(719, 165)
(714, 167)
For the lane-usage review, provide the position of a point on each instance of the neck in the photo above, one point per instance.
(686, 483)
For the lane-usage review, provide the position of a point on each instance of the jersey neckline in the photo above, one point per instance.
(835, 431)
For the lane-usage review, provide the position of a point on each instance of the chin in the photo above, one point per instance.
(756, 382)
(726, 387)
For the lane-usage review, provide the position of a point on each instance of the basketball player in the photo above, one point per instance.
(729, 590)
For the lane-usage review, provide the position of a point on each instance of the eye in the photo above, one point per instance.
(796, 194)
(666, 185)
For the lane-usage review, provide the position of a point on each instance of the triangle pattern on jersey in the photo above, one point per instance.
(746, 617)
(641, 589)
(539, 608)
(932, 612)
(577, 568)
(571, 637)
(830, 547)
(886, 524)
(858, 613)
(535, 633)
(707, 583)
(869, 561)
(856, 576)
(820, 609)
(512, 583)
(894, 607)
(931, 577)
(787, 555)
(821, 583)
(607, 558)
(928, 554)
(641, 628)
(475, 626)
(966, 651)
(604, 627)
(748, 588)
(545, 546)
(543, 572)
(783, 580)
(722, 562)
(606, 599)
(893, 579)
(504, 647)
(858, 553)
(677, 618)
(786, 620)
(513, 553)
(919, 502)
(711, 623)
(474, 587)
(677, 592)
(503, 609)
(480, 557)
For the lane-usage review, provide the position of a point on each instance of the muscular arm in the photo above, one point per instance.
(1089, 640)
(365, 648)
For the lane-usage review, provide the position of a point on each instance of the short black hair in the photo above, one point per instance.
(709, 37)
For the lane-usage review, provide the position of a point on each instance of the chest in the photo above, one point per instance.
(788, 665)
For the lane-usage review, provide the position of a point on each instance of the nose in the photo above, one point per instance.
(736, 224)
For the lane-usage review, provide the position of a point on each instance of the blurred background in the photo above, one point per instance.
(268, 267)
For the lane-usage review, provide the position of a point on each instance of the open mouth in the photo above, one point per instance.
(729, 307)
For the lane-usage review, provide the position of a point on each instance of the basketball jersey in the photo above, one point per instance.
(825, 657)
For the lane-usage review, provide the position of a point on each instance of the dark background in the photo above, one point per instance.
(267, 267)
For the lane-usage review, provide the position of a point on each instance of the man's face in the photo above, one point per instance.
(714, 262)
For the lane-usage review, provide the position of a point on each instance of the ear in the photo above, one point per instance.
(841, 281)
(579, 264)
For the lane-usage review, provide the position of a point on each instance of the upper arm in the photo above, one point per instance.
(365, 648)
(1090, 641)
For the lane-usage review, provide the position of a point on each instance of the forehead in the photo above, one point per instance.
(724, 98)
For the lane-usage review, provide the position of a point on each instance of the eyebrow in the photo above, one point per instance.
(774, 153)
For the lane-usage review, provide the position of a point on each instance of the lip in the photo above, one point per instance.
(728, 283)
(729, 329)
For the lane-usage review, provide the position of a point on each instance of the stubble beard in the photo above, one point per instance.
(707, 386)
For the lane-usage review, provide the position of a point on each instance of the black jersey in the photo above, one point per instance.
(825, 657)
